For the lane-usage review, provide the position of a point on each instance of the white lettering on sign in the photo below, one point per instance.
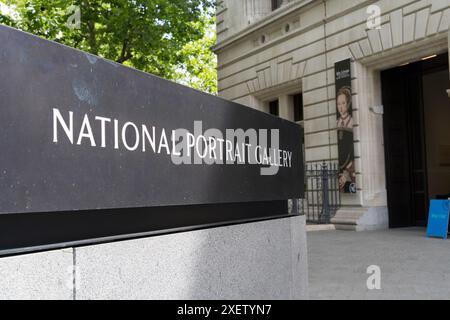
(236, 146)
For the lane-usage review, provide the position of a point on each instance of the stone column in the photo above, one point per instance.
(367, 210)
(286, 107)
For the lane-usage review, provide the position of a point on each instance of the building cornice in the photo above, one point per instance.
(273, 17)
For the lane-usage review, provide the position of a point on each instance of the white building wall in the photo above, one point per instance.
(302, 59)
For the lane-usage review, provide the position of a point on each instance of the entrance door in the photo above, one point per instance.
(406, 174)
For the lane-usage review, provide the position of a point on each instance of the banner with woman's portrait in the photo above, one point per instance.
(344, 111)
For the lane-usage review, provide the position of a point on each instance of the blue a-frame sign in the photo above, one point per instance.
(438, 219)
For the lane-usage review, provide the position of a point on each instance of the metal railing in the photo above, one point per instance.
(322, 196)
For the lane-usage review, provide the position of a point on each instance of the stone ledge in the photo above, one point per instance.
(320, 227)
(361, 219)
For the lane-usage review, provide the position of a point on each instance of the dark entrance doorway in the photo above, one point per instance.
(405, 139)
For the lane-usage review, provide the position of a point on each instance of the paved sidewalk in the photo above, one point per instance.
(412, 266)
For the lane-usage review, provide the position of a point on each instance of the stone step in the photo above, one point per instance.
(350, 213)
(344, 221)
(347, 218)
(320, 227)
(346, 227)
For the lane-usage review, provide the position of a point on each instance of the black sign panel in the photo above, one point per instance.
(45, 87)
(80, 133)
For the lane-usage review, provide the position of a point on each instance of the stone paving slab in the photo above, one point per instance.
(412, 266)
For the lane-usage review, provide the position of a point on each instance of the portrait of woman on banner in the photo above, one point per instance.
(347, 176)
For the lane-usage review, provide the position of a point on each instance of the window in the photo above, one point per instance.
(298, 107)
(276, 4)
(274, 108)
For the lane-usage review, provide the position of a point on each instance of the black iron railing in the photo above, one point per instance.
(322, 196)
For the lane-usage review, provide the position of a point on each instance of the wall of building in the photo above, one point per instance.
(302, 59)
(260, 261)
(235, 15)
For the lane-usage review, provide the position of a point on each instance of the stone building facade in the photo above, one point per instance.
(276, 50)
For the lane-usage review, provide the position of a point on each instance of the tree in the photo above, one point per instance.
(198, 69)
(156, 36)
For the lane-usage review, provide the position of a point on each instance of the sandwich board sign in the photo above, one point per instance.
(438, 219)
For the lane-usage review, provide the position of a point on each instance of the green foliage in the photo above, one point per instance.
(5, 17)
(6, 20)
(198, 69)
(157, 36)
